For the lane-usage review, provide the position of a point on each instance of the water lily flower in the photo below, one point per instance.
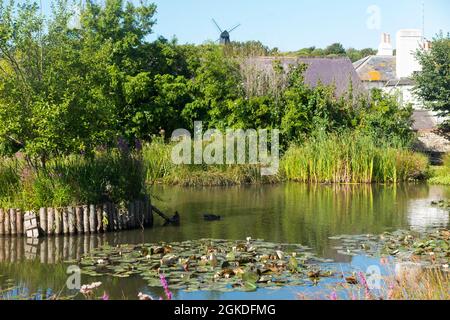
(143, 296)
(88, 289)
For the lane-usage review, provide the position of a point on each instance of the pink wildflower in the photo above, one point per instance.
(165, 286)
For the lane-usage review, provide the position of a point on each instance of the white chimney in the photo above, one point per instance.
(408, 42)
(385, 47)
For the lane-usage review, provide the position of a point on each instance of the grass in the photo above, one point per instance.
(332, 158)
(441, 175)
(72, 180)
(161, 170)
(351, 158)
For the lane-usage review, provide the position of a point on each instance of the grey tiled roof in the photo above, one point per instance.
(328, 71)
(376, 68)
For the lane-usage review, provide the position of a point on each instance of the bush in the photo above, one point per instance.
(441, 175)
(107, 176)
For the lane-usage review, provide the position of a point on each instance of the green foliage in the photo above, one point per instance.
(350, 158)
(385, 120)
(441, 174)
(433, 82)
(335, 49)
(160, 169)
(72, 180)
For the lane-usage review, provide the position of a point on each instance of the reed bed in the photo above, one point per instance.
(327, 158)
(352, 158)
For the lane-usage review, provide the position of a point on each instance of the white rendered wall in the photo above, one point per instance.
(408, 42)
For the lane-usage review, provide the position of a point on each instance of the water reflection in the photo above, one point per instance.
(290, 213)
(422, 216)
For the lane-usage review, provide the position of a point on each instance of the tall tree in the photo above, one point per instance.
(433, 82)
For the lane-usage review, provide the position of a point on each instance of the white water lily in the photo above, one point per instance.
(143, 296)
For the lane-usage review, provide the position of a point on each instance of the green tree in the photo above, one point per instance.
(48, 101)
(334, 49)
(433, 82)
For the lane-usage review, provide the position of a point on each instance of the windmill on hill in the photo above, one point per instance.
(225, 34)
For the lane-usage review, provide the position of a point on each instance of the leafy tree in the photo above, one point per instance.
(433, 82)
(48, 101)
(334, 49)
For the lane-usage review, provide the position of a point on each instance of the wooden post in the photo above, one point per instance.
(7, 223)
(72, 220)
(2, 222)
(92, 218)
(99, 213)
(115, 211)
(43, 220)
(86, 219)
(79, 219)
(119, 214)
(146, 212)
(109, 210)
(150, 212)
(65, 220)
(50, 221)
(12, 221)
(131, 215)
(106, 227)
(31, 225)
(58, 221)
(137, 214)
(19, 222)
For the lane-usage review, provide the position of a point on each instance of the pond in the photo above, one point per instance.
(286, 213)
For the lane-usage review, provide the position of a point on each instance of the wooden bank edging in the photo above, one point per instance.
(85, 219)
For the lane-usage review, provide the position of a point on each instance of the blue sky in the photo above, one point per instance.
(294, 24)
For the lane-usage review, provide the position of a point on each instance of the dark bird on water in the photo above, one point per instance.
(211, 217)
(175, 220)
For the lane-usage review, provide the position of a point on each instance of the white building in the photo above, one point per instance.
(393, 74)
(408, 41)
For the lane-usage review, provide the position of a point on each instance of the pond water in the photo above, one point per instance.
(287, 213)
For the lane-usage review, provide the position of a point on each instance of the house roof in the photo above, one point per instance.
(329, 71)
(400, 82)
(376, 68)
(423, 120)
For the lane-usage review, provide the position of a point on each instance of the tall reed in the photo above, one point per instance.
(350, 158)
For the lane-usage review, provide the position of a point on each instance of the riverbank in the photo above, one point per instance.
(120, 176)
(332, 158)
(441, 174)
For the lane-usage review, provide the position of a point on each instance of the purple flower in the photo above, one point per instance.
(363, 281)
(105, 296)
(165, 286)
(138, 144)
(122, 145)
